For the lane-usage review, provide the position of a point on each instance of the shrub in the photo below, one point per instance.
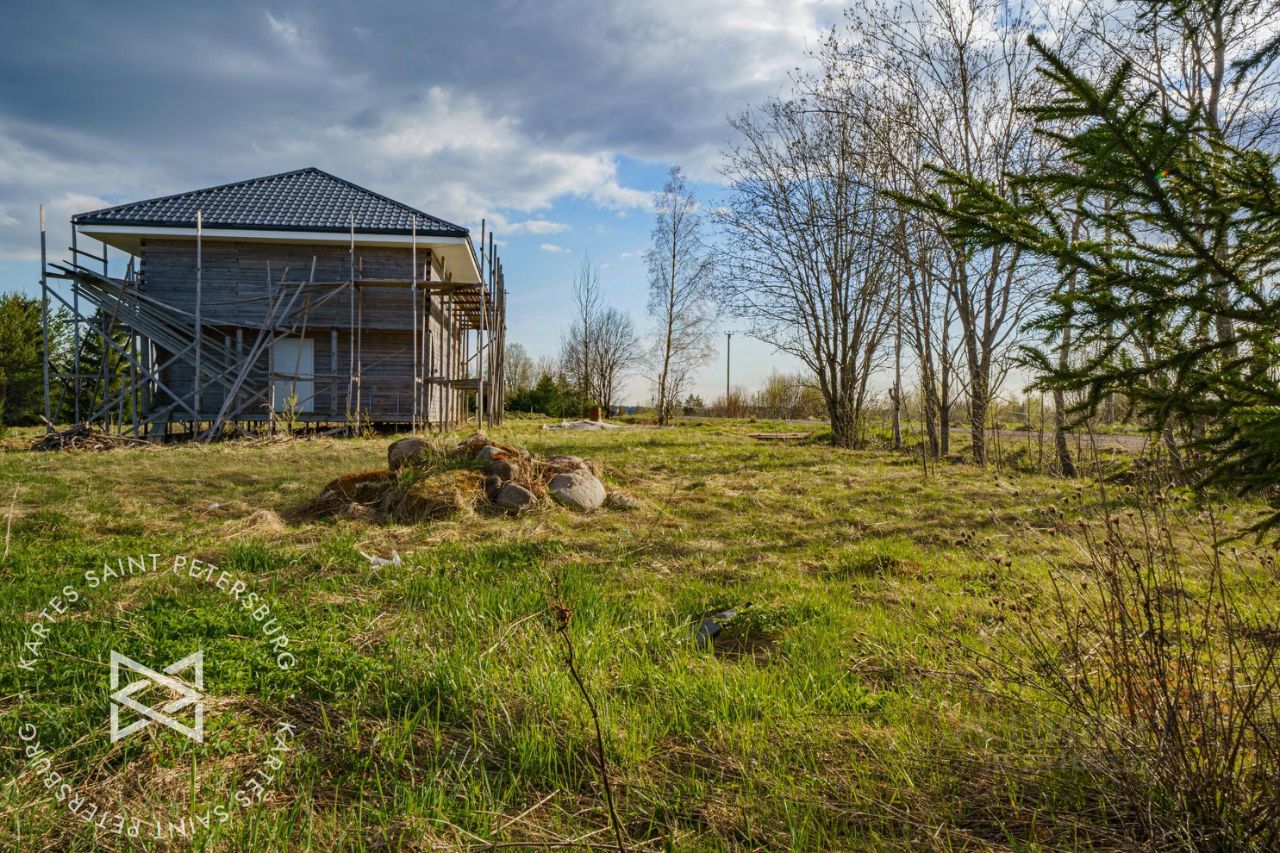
(1156, 666)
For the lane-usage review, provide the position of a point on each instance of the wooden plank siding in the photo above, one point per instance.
(240, 278)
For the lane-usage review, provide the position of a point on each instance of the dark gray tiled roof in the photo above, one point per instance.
(305, 200)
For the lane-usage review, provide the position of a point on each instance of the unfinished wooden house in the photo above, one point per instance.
(297, 297)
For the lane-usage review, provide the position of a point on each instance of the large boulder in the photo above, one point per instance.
(564, 464)
(514, 496)
(472, 444)
(578, 489)
(492, 485)
(406, 451)
(503, 469)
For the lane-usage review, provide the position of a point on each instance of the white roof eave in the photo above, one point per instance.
(457, 251)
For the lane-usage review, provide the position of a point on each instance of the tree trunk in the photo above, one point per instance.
(944, 428)
(896, 393)
(978, 405)
(1171, 445)
(664, 393)
(931, 424)
(664, 401)
(844, 425)
(1066, 466)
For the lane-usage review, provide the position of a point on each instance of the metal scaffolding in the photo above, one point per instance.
(140, 339)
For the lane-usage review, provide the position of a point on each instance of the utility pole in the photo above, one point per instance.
(728, 337)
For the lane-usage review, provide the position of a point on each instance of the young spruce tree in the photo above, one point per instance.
(1176, 305)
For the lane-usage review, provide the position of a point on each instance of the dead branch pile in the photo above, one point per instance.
(84, 437)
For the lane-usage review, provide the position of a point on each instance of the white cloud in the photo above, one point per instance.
(532, 226)
(30, 176)
(341, 87)
(286, 31)
(450, 154)
(684, 80)
(552, 248)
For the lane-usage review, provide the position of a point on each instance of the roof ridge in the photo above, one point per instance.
(385, 198)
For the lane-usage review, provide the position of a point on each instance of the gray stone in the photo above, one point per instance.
(471, 445)
(712, 626)
(405, 451)
(504, 469)
(487, 453)
(565, 464)
(492, 485)
(513, 496)
(578, 489)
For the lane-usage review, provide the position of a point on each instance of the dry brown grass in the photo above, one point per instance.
(434, 703)
(438, 495)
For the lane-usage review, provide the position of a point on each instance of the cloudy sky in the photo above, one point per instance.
(555, 119)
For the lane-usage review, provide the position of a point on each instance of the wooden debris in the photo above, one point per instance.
(84, 437)
(779, 436)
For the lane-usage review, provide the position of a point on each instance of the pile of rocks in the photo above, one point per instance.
(515, 478)
(425, 481)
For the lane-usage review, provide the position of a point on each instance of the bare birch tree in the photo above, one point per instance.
(576, 342)
(961, 73)
(521, 374)
(616, 352)
(809, 265)
(680, 279)
(924, 307)
(600, 348)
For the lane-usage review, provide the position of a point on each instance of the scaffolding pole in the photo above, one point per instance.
(446, 360)
(359, 349)
(197, 389)
(351, 324)
(77, 391)
(486, 331)
(44, 321)
(428, 351)
(413, 300)
(480, 332)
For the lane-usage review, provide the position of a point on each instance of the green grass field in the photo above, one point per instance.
(431, 700)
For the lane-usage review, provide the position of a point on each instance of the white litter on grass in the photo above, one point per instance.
(379, 562)
(584, 425)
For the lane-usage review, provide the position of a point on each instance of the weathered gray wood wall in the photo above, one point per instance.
(239, 281)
